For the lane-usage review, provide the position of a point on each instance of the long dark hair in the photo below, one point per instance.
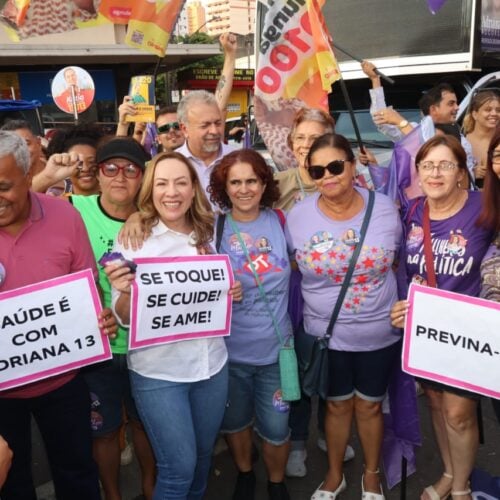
(490, 214)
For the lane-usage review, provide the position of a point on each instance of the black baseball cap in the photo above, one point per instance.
(123, 147)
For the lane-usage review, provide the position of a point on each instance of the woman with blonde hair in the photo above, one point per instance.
(479, 127)
(180, 388)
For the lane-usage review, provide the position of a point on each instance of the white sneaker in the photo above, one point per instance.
(296, 466)
(349, 451)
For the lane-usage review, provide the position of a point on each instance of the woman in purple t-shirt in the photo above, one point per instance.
(323, 232)
(458, 245)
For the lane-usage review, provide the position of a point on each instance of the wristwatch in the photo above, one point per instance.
(403, 124)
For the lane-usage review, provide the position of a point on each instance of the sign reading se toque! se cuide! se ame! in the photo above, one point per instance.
(50, 328)
(180, 298)
(453, 339)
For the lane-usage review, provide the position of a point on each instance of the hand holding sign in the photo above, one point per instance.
(398, 313)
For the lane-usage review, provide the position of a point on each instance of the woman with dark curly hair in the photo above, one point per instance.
(251, 234)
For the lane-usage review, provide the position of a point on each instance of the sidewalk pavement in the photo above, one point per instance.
(223, 474)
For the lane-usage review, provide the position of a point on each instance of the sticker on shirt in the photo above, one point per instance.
(235, 246)
(457, 243)
(3, 274)
(279, 404)
(263, 245)
(322, 241)
(419, 280)
(415, 237)
(350, 237)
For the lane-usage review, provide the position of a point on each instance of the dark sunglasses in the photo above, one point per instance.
(335, 167)
(165, 129)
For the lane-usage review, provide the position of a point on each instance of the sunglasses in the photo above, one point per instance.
(335, 167)
(130, 171)
(165, 129)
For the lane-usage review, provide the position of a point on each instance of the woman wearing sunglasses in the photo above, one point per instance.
(363, 347)
(457, 243)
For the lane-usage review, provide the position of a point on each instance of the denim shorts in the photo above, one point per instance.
(364, 374)
(255, 398)
(109, 387)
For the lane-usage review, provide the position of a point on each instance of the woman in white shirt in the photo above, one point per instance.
(180, 388)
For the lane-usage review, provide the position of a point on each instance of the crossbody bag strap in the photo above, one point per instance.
(221, 219)
(262, 292)
(429, 256)
(352, 265)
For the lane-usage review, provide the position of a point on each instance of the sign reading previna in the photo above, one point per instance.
(453, 339)
(50, 328)
(180, 298)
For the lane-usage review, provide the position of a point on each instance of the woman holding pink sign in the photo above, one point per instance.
(442, 229)
(180, 388)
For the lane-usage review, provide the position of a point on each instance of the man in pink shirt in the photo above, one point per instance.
(42, 238)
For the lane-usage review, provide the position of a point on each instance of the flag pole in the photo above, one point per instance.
(348, 103)
(388, 79)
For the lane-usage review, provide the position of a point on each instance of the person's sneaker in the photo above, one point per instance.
(245, 486)
(296, 465)
(277, 491)
(349, 451)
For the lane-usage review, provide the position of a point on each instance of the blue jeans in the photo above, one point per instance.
(182, 421)
(255, 394)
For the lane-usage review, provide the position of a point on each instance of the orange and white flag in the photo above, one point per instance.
(296, 67)
(151, 23)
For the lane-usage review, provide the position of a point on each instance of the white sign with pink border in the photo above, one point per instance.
(180, 298)
(453, 339)
(50, 328)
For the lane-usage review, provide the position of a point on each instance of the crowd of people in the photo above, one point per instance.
(311, 233)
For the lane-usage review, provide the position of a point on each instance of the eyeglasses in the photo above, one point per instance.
(495, 157)
(304, 139)
(165, 129)
(130, 171)
(442, 166)
(335, 167)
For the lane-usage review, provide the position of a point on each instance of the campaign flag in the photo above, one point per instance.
(151, 23)
(117, 11)
(296, 68)
(30, 18)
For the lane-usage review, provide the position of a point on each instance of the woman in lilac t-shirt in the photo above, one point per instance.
(458, 245)
(322, 233)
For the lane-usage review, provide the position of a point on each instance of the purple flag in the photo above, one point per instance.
(401, 427)
(402, 184)
(150, 144)
(435, 5)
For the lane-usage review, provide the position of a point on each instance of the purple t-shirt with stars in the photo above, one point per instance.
(253, 339)
(458, 245)
(323, 248)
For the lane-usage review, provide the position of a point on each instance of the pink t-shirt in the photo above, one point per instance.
(52, 243)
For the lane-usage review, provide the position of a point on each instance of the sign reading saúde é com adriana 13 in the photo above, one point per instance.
(453, 339)
(49, 328)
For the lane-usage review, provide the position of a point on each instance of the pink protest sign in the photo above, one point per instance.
(180, 298)
(50, 328)
(453, 339)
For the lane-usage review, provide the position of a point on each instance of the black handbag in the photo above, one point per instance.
(312, 351)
